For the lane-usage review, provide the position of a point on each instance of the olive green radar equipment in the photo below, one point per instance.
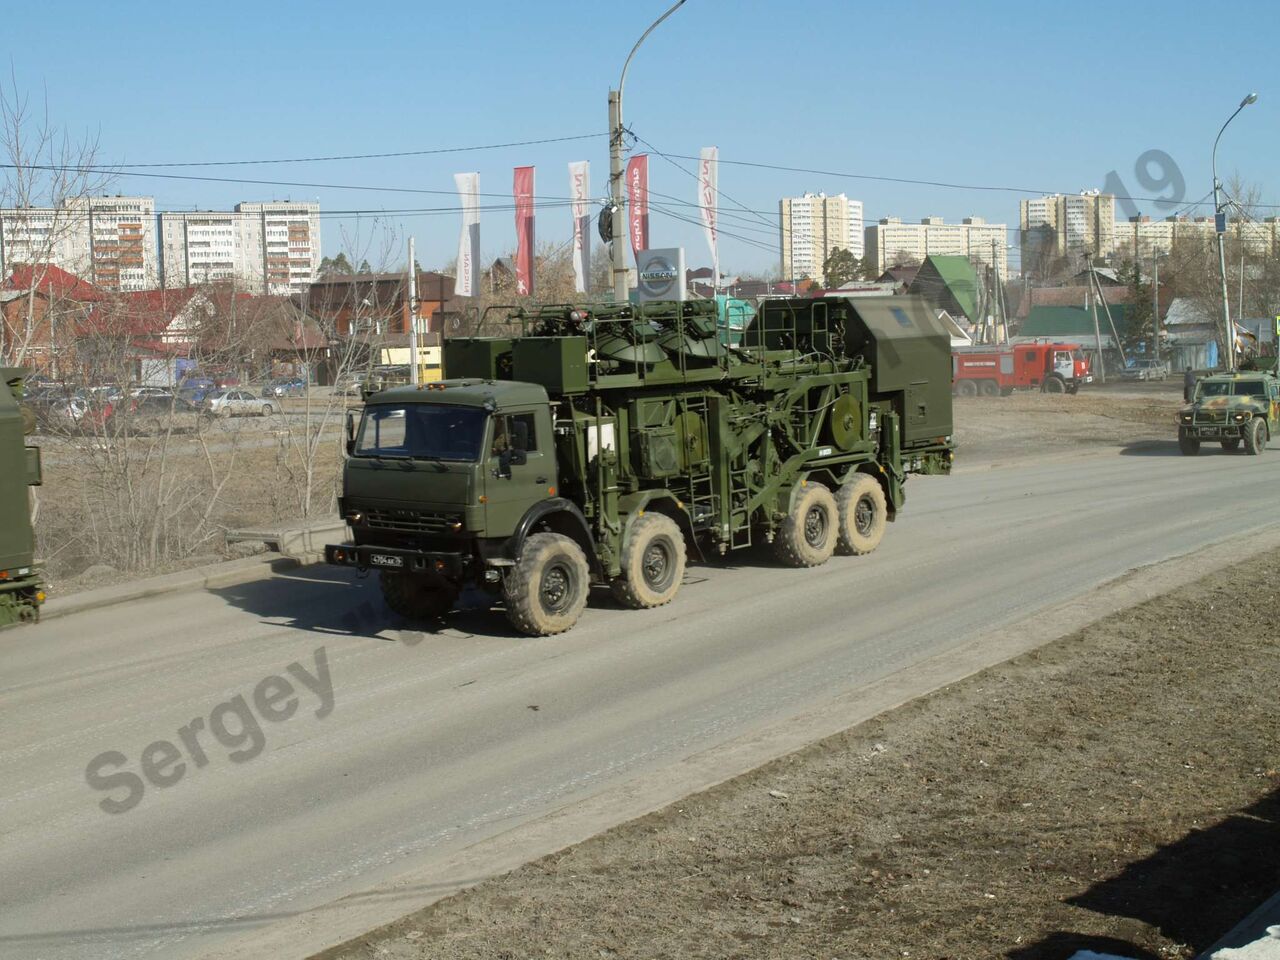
(21, 590)
(607, 443)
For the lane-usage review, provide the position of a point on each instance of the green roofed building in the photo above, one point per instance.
(1074, 323)
(950, 283)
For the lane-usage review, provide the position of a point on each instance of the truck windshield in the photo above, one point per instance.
(426, 431)
(1240, 388)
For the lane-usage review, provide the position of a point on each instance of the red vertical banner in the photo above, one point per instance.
(638, 198)
(524, 230)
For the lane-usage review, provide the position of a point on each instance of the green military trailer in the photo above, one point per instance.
(606, 444)
(21, 588)
(1232, 408)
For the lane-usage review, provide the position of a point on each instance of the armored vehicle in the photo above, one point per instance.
(21, 590)
(1241, 406)
(607, 444)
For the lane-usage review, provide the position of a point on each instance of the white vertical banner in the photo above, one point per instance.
(468, 269)
(580, 193)
(708, 194)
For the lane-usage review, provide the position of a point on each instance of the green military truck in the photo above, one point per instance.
(1233, 408)
(606, 444)
(21, 588)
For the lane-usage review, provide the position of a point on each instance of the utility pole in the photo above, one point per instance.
(1220, 225)
(1155, 307)
(412, 291)
(617, 213)
(1097, 332)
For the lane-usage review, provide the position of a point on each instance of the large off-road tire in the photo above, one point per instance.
(1054, 385)
(1231, 445)
(1189, 445)
(1255, 437)
(546, 591)
(807, 538)
(966, 388)
(653, 560)
(416, 597)
(989, 388)
(863, 514)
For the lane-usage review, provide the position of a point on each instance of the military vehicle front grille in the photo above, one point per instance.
(411, 521)
(1205, 416)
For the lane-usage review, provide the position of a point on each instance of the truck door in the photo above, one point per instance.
(1032, 371)
(520, 467)
(1064, 365)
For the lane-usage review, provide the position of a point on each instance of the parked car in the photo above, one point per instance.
(163, 392)
(350, 385)
(285, 387)
(1145, 369)
(196, 389)
(153, 415)
(233, 403)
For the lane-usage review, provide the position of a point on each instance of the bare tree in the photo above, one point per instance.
(49, 177)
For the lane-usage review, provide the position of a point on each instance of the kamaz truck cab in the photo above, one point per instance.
(442, 485)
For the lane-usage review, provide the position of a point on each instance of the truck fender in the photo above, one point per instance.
(659, 501)
(560, 516)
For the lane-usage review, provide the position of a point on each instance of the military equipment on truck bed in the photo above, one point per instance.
(1233, 408)
(605, 443)
(21, 591)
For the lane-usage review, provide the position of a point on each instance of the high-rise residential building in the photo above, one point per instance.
(203, 247)
(812, 226)
(109, 241)
(119, 243)
(1140, 238)
(890, 241)
(1065, 225)
(281, 243)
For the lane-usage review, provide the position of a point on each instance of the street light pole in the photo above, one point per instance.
(617, 214)
(1220, 225)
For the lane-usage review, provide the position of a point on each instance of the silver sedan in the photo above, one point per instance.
(232, 403)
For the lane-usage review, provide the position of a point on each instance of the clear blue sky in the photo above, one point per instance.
(1040, 96)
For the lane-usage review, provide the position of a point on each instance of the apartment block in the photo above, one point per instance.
(109, 241)
(1066, 226)
(812, 226)
(281, 243)
(1141, 237)
(891, 241)
(204, 247)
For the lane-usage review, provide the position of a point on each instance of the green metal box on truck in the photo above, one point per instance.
(21, 591)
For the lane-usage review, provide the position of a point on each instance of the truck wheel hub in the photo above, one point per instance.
(864, 515)
(815, 527)
(656, 564)
(555, 589)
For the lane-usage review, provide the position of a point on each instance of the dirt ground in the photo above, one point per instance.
(1118, 790)
(994, 431)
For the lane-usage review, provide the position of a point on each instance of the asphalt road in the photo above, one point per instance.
(411, 746)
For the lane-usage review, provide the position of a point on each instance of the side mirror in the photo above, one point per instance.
(517, 458)
(351, 432)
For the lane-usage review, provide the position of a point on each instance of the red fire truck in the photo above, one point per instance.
(997, 370)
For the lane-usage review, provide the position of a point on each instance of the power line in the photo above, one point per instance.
(927, 183)
(365, 156)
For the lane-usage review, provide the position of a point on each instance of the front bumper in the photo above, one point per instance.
(453, 565)
(1230, 430)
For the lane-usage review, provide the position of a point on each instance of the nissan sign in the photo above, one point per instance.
(660, 274)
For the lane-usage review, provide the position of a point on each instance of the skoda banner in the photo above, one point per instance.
(660, 274)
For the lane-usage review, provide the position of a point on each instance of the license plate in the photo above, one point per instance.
(385, 560)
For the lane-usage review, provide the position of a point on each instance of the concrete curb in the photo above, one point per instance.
(1249, 930)
(197, 578)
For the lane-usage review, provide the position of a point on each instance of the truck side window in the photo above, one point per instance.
(514, 432)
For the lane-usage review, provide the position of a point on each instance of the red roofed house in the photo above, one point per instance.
(141, 336)
(42, 308)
